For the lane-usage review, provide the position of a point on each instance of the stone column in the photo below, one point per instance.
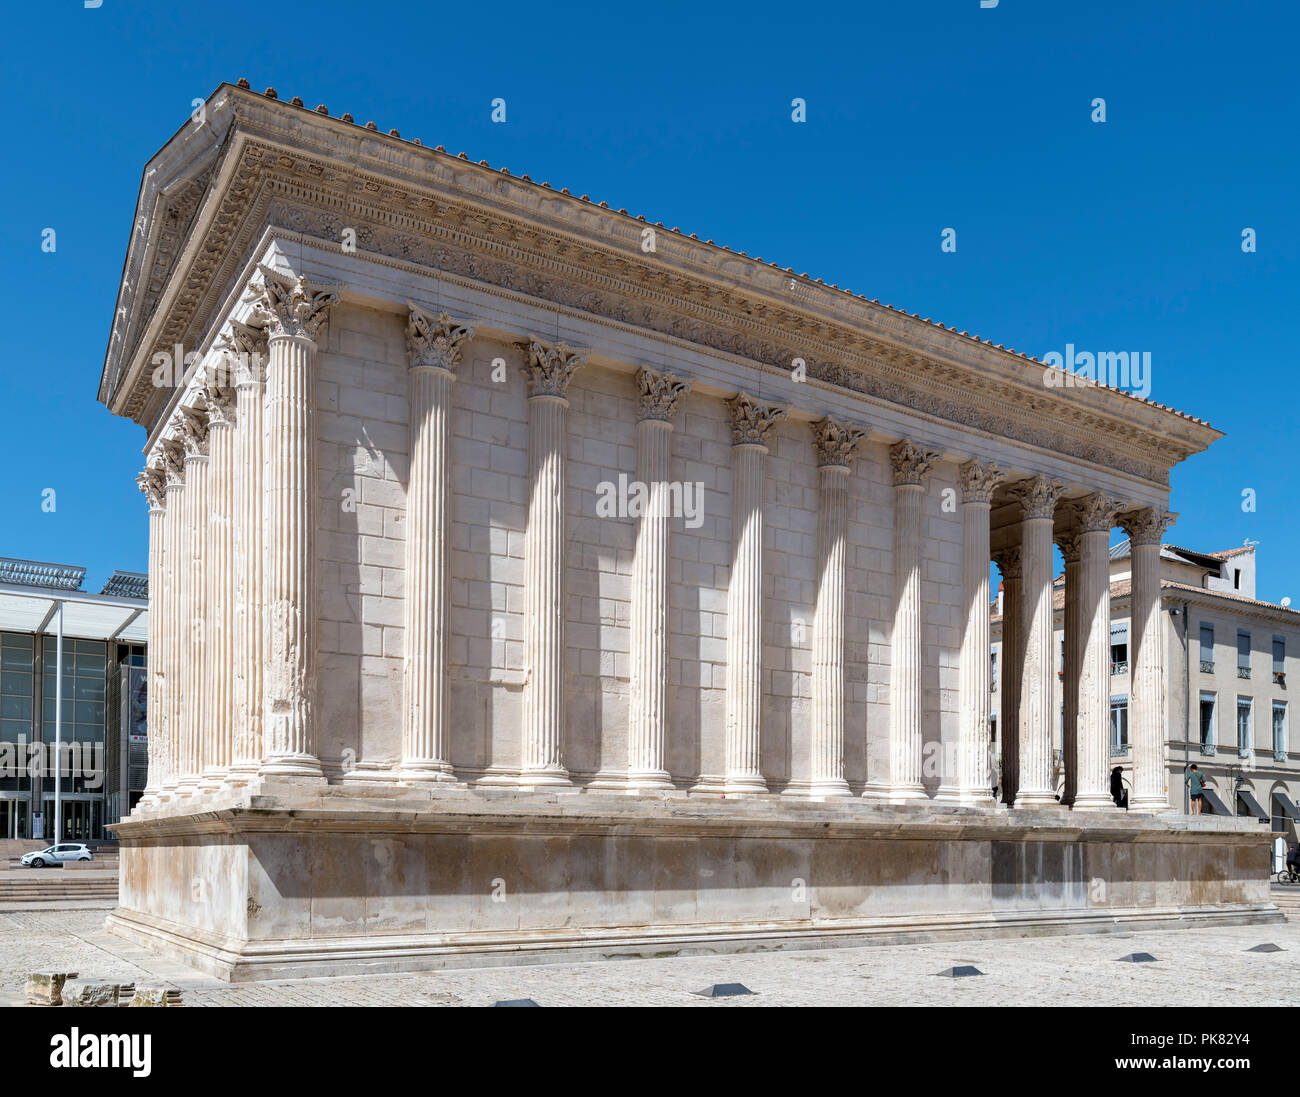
(1146, 527)
(174, 647)
(1013, 654)
(834, 444)
(220, 578)
(549, 370)
(247, 347)
(750, 423)
(194, 670)
(1037, 496)
(1071, 546)
(648, 707)
(292, 312)
(1096, 515)
(153, 483)
(435, 350)
(974, 782)
(911, 464)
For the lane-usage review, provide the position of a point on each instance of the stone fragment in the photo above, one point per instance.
(45, 988)
(150, 996)
(89, 992)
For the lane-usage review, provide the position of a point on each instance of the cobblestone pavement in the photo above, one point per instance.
(1068, 970)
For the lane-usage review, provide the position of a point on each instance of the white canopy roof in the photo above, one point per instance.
(85, 616)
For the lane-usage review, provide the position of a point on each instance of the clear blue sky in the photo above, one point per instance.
(921, 116)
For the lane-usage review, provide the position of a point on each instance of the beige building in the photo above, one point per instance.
(1229, 711)
(530, 580)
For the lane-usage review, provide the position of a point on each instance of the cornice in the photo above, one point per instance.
(314, 175)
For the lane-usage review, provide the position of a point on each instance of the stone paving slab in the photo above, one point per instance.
(1082, 969)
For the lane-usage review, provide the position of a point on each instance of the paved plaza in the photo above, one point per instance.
(1078, 970)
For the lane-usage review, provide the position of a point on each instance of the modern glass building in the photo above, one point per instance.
(72, 731)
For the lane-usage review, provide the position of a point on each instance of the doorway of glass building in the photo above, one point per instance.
(82, 819)
(13, 819)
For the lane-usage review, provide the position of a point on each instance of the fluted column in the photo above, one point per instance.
(1096, 515)
(173, 639)
(292, 312)
(221, 578)
(248, 350)
(750, 423)
(1146, 528)
(194, 673)
(153, 483)
(435, 349)
(974, 783)
(1071, 546)
(833, 443)
(911, 465)
(1013, 654)
(1038, 496)
(549, 370)
(648, 708)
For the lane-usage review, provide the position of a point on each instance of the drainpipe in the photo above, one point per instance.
(1187, 730)
(58, 720)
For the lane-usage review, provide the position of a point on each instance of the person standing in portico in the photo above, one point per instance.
(1196, 783)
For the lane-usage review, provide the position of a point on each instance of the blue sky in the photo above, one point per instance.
(921, 116)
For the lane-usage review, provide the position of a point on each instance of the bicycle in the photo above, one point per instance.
(1288, 876)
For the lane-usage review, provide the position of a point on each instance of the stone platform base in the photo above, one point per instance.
(290, 881)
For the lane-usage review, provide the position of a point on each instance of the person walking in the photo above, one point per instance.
(1196, 784)
(1118, 792)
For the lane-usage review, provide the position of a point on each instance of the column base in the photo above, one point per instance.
(1094, 802)
(1152, 806)
(426, 772)
(553, 777)
(291, 765)
(821, 788)
(1040, 799)
(650, 780)
(908, 793)
(979, 798)
(744, 784)
(242, 773)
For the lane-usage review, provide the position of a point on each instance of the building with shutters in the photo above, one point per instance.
(89, 722)
(1226, 678)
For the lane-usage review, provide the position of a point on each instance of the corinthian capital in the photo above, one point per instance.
(1096, 512)
(835, 442)
(1071, 545)
(435, 344)
(978, 481)
(194, 431)
(1008, 561)
(220, 399)
(550, 367)
(1037, 495)
(172, 451)
(910, 462)
(750, 422)
(152, 481)
(292, 307)
(1146, 525)
(659, 393)
(244, 348)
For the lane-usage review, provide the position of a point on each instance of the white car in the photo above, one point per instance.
(55, 855)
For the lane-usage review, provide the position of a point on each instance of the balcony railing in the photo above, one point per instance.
(1243, 672)
(1118, 750)
(1207, 666)
(1279, 676)
(1119, 668)
(1207, 749)
(1279, 755)
(1243, 752)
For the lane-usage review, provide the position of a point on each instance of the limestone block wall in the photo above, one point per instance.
(362, 468)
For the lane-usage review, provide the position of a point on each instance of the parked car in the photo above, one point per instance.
(56, 855)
